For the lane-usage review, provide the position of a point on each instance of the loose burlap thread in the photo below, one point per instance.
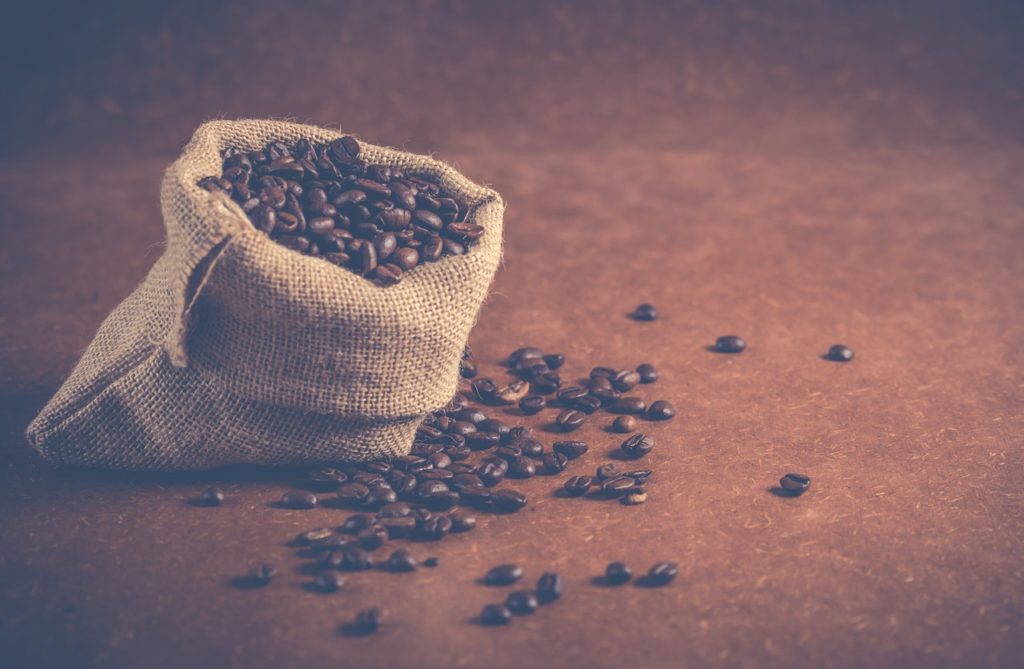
(235, 349)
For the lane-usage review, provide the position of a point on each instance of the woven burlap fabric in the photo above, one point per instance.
(238, 350)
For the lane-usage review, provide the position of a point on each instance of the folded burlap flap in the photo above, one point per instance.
(236, 349)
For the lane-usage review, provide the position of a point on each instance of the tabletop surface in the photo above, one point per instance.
(831, 172)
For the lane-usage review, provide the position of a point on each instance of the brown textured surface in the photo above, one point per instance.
(835, 172)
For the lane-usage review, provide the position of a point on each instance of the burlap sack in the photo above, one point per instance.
(238, 350)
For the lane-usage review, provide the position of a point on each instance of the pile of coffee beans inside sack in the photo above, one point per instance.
(324, 200)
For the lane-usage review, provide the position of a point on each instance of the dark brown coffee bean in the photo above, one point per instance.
(260, 575)
(484, 389)
(507, 501)
(396, 510)
(645, 312)
(328, 581)
(550, 587)
(509, 452)
(467, 368)
(398, 527)
(475, 494)
(372, 537)
(379, 496)
(588, 404)
(617, 573)
(795, 484)
(354, 558)
(521, 603)
(494, 615)
(385, 244)
(532, 404)
(367, 621)
(730, 344)
(602, 373)
(661, 410)
(554, 360)
(639, 475)
(607, 471)
(344, 148)
(435, 527)
(571, 449)
(554, 463)
(624, 424)
(298, 499)
(431, 562)
(491, 473)
(310, 536)
(840, 353)
(629, 405)
(663, 573)
(521, 467)
(577, 485)
(530, 447)
(326, 478)
(568, 396)
(637, 445)
(511, 393)
(517, 433)
(406, 258)
(625, 380)
(503, 574)
(462, 521)
(648, 374)
(211, 497)
(570, 420)
(427, 219)
(400, 561)
(616, 487)
(367, 259)
(480, 441)
(546, 383)
(432, 249)
(356, 523)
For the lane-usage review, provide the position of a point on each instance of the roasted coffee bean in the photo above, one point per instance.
(730, 344)
(462, 521)
(663, 573)
(795, 484)
(577, 486)
(400, 560)
(545, 383)
(493, 425)
(532, 404)
(260, 575)
(440, 461)
(568, 396)
(625, 380)
(298, 499)
(356, 523)
(377, 467)
(372, 537)
(431, 562)
(553, 360)
(211, 497)
(521, 467)
(441, 501)
(554, 463)
(435, 527)
(661, 410)
(330, 543)
(430, 487)
(648, 374)
(470, 415)
(517, 433)
(525, 352)
(474, 494)
(588, 404)
(388, 274)
(840, 353)
(491, 473)
(624, 424)
(639, 475)
(617, 573)
(310, 536)
(521, 603)
(616, 487)
(629, 405)
(509, 452)
(606, 397)
(511, 393)
(530, 447)
(328, 581)
(484, 389)
(461, 427)
(467, 369)
(495, 614)
(464, 479)
(635, 496)
(354, 558)
(571, 449)
(507, 501)
(570, 420)
(603, 372)
(367, 621)
(503, 574)
(379, 496)
(480, 441)
(550, 587)
(398, 527)
(637, 445)
(326, 478)
(645, 312)
(607, 471)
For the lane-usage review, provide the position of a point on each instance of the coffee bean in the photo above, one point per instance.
(648, 374)
(212, 497)
(260, 575)
(372, 537)
(588, 404)
(435, 527)
(431, 562)
(400, 560)
(532, 404)
(521, 467)
(617, 487)
(550, 587)
(645, 312)
(795, 484)
(524, 352)
(730, 344)
(503, 574)
(484, 389)
(311, 536)
(840, 353)
(521, 603)
(328, 581)
(639, 475)
(398, 527)
(637, 445)
(635, 496)
(518, 433)
(571, 449)
(493, 425)
(530, 447)
(326, 478)
(553, 360)
(356, 559)
(617, 573)
(577, 485)
(509, 452)
(479, 441)
(379, 496)
(470, 415)
(396, 510)
(570, 420)
(554, 463)
(511, 393)
(568, 396)
(491, 473)
(474, 494)
(606, 397)
(462, 521)
(467, 369)
(356, 523)
(625, 380)
(607, 471)
(661, 410)
(298, 499)
(624, 424)
(629, 405)
(507, 501)
(495, 614)
(368, 621)
(545, 383)
(663, 573)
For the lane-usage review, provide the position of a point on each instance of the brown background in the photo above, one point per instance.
(822, 172)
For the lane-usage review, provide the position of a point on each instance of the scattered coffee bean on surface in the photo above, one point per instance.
(663, 573)
(624, 424)
(635, 496)
(507, 500)
(328, 581)
(298, 499)
(212, 497)
(617, 573)
(661, 410)
(648, 374)
(645, 312)
(730, 344)
(795, 484)
(431, 562)
(495, 614)
(637, 446)
(617, 487)
(840, 353)
(625, 380)
(467, 369)
(570, 420)
(607, 471)
(260, 575)
(462, 521)
(554, 463)
(532, 404)
(577, 486)
(629, 405)
(521, 467)
(503, 574)
(368, 621)
(570, 449)
(553, 360)
(550, 587)
(400, 560)
(521, 603)
(313, 536)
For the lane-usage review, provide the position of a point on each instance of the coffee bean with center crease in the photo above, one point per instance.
(571, 449)
(521, 467)
(618, 486)
(795, 484)
(503, 574)
(398, 527)
(617, 573)
(550, 587)
(568, 396)
(570, 420)
(507, 501)
(532, 404)
(400, 560)
(634, 496)
(356, 523)
(298, 499)
(521, 603)
(637, 445)
(554, 463)
(577, 485)
(379, 496)
(435, 527)
(372, 537)
(491, 473)
(625, 380)
(663, 573)
(661, 410)
(495, 614)
(607, 471)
